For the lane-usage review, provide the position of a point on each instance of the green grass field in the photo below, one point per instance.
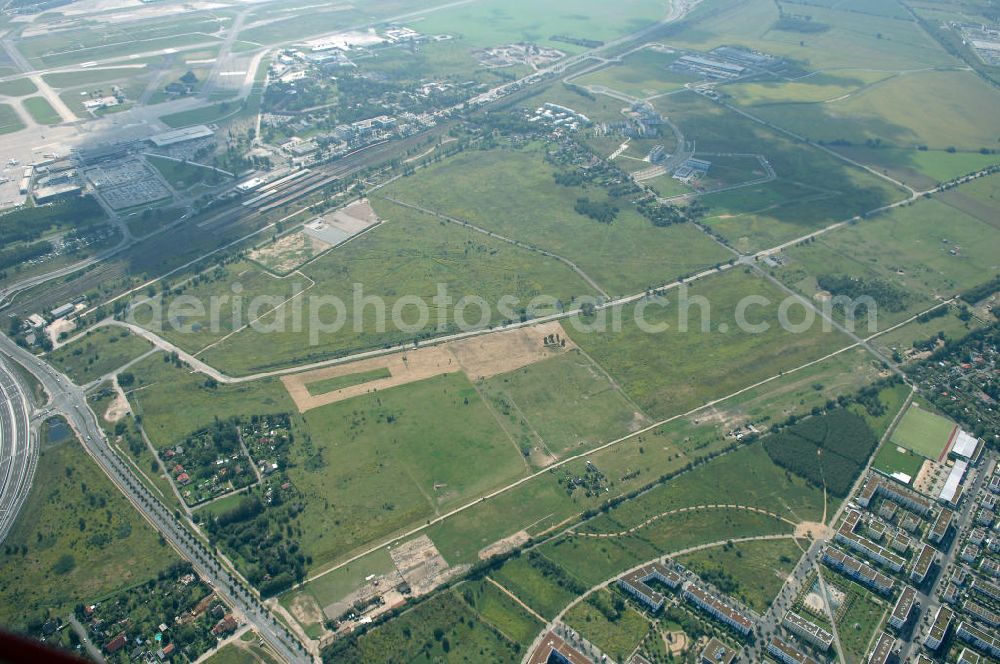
(390, 460)
(979, 199)
(907, 248)
(890, 460)
(924, 432)
(672, 370)
(544, 592)
(512, 192)
(812, 88)
(616, 639)
(98, 353)
(184, 175)
(499, 610)
(76, 540)
(927, 108)
(10, 121)
(204, 115)
(162, 390)
(564, 404)
(444, 629)
(753, 572)
(813, 189)
(921, 169)
(422, 254)
(19, 87)
(41, 110)
(89, 77)
(591, 561)
(499, 22)
(641, 74)
(340, 382)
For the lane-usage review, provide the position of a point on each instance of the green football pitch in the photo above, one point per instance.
(923, 432)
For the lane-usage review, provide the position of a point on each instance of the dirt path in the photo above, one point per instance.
(682, 510)
(516, 599)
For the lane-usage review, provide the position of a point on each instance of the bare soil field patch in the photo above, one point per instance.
(289, 252)
(504, 545)
(479, 357)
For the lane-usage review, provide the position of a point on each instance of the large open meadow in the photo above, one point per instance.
(513, 193)
(77, 540)
(670, 370)
(838, 38)
(411, 255)
(813, 189)
(907, 260)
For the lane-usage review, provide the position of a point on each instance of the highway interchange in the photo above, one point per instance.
(18, 447)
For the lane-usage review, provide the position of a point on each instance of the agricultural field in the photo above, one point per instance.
(687, 364)
(522, 202)
(99, 352)
(76, 540)
(834, 39)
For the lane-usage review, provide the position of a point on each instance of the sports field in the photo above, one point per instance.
(924, 432)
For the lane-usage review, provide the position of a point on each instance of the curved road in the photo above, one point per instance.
(18, 449)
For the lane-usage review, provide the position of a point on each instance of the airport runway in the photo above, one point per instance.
(18, 449)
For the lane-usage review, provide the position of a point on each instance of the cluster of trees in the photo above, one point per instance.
(664, 214)
(19, 254)
(885, 294)
(266, 535)
(28, 223)
(827, 450)
(602, 211)
(982, 291)
(799, 23)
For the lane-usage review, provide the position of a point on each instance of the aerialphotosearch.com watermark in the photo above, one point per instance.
(319, 315)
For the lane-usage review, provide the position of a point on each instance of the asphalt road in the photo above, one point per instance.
(67, 399)
(18, 449)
